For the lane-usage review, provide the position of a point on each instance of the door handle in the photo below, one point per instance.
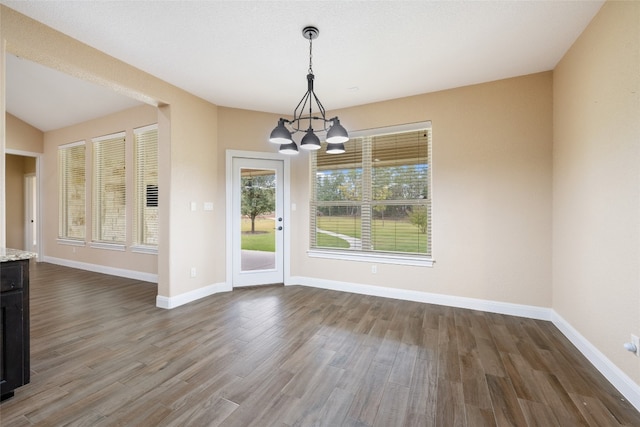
(279, 228)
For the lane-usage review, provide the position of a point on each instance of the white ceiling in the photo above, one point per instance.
(252, 55)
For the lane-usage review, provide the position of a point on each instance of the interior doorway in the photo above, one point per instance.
(22, 210)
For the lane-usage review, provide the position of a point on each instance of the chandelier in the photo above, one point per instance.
(303, 116)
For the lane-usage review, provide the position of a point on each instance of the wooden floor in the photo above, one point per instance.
(103, 354)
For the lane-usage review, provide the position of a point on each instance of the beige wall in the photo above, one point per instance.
(126, 121)
(22, 136)
(596, 183)
(187, 143)
(491, 190)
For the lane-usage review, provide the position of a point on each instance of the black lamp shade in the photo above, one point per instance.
(280, 134)
(310, 141)
(290, 148)
(335, 148)
(337, 133)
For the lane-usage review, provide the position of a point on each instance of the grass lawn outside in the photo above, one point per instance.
(392, 235)
(265, 237)
(324, 240)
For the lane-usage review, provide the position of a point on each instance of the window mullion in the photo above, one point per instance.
(366, 194)
(313, 206)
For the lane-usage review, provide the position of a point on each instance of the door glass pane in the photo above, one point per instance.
(258, 221)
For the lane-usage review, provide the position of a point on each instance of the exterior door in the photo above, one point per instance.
(258, 221)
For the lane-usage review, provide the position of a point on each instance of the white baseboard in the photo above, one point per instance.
(187, 297)
(529, 311)
(121, 272)
(619, 379)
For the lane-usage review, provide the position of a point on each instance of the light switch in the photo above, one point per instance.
(194, 206)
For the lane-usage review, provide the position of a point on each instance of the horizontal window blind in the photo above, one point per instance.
(109, 189)
(400, 201)
(71, 191)
(376, 196)
(146, 185)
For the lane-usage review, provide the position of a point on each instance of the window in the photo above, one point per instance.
(146, 186)
(375, 199)
(109, 189)
(71, 191)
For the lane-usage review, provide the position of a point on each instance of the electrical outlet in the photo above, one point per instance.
(374, 269)
(193, 272)
(636, 341)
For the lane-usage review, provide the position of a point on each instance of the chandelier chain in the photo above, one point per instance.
(310, 55)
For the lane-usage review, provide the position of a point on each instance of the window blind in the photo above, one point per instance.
(376, 196)
(336, 196)
(109, 189)
(146, 185)
(400, 203)
(71, 191)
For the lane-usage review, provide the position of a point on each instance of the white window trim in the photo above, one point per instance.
(121, 134)
(71, 144)
(71, 242)
(108, 246)
(409, 127)
(144, 249)
(380, 258)
(146, 128)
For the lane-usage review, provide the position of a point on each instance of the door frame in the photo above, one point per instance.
(38, 157)
(30, 193)
(286, 189)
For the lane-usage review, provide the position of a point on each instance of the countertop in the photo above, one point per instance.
(7, 254)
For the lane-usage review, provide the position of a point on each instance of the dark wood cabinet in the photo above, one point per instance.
(14, 330)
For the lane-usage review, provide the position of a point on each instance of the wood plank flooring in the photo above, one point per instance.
(103, 354)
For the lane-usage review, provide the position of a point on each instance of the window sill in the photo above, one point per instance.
(109, 246)
(143, 249)
(418, 261)
(71, 242)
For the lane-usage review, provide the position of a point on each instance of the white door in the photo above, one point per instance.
(30, 213)
(257, 221)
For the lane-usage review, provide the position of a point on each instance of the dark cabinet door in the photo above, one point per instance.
(11, 343)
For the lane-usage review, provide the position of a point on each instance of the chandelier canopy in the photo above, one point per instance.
(304, 118)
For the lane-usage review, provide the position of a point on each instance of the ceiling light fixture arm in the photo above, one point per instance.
(299, 119)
